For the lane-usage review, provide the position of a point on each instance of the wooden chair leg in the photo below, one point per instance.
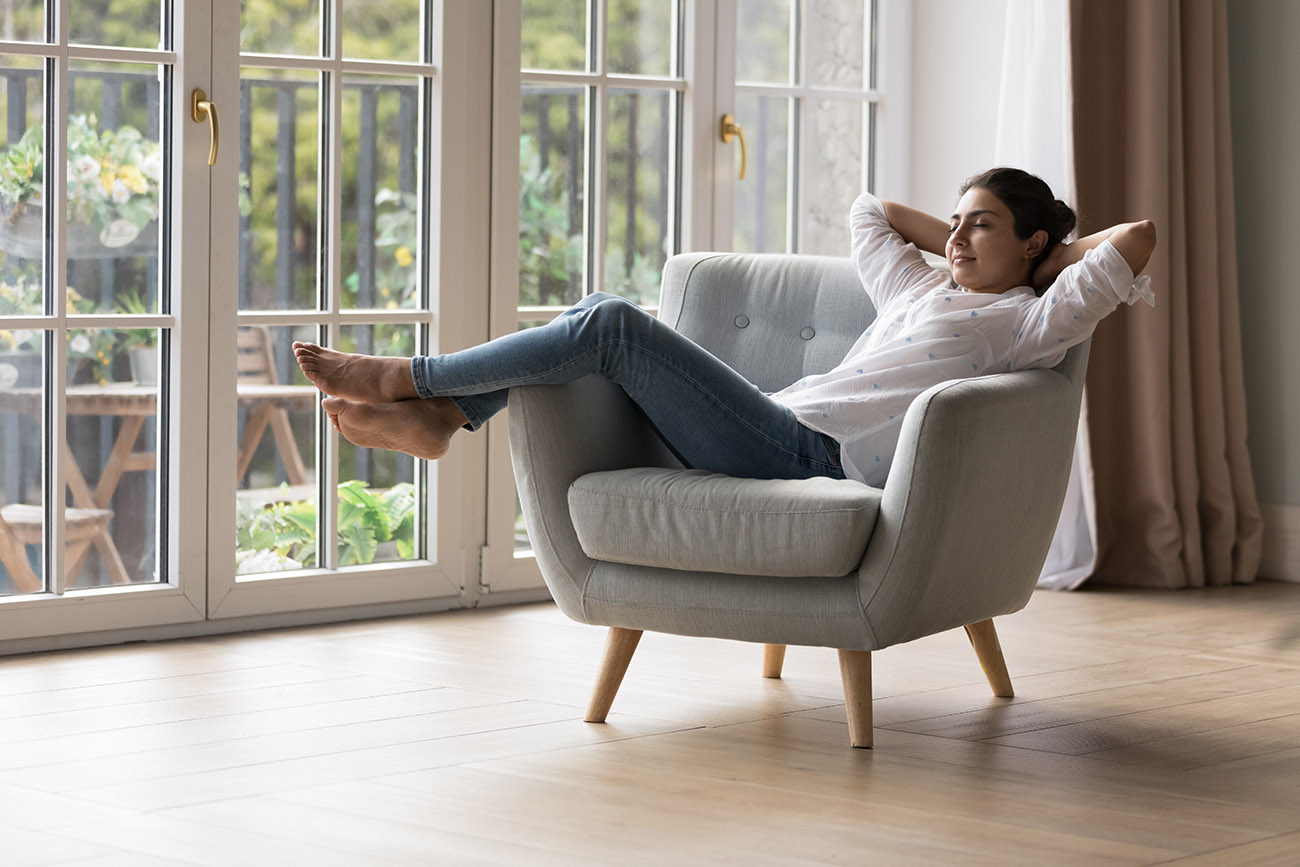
(294, 468)
(619, 647)
(855, 672)
(773, 659)
(257, 421)
(984, 638)
(13, 555)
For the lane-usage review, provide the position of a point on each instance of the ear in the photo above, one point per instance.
(1035, 244)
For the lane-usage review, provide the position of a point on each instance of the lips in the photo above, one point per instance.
(961, 260)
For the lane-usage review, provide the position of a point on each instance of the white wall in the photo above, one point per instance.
(956, 73)
(1265, 77)
(1264, 71)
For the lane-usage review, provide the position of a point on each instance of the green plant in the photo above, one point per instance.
(113, 177)
(22, 292)
(131, 338)
(396, 230)
(549, 251)
(282, 535)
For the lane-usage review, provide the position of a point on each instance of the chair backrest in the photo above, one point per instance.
(777, 318)
(774, 318)
(255, 362)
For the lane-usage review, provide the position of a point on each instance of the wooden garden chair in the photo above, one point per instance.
(256, 366)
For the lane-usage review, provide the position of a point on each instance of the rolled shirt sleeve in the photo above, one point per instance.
(1068, 312)
(887, 265)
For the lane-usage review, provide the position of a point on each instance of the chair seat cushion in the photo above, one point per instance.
(698, 521)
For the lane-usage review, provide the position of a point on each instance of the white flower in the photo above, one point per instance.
(121, 192)
(85, 168)
(80, 344)
(21, 336)
(264, 560)
(152, 166)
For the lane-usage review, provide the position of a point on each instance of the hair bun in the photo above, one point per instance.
(1065, 218)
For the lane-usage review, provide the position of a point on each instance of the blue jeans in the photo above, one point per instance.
(708, 415)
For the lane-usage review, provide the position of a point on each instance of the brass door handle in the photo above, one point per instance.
(201, 109)
(730, 130)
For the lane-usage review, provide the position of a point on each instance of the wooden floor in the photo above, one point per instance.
(1149, 728)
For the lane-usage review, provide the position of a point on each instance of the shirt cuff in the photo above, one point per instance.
(1141, 289)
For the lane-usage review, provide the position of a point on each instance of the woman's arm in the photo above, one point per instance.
(1134, 241)
(917, 227)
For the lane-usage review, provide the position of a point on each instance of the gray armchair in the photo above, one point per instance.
(627, 539)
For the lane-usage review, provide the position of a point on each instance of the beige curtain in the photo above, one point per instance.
(1175, 500)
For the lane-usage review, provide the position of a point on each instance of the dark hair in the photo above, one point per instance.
(1031, 203)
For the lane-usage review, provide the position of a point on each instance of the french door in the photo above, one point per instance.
(325, 234)
(609, 156)
(102, 310)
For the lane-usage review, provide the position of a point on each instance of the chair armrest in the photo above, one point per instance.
(971, 503)
(561, 432)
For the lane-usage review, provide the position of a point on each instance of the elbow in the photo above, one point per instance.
(1137, 242)
(1146, 232)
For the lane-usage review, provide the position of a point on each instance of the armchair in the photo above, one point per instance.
(626, 538)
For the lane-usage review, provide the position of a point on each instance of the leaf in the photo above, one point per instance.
(356, 546)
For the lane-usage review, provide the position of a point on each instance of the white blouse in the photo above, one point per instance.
(928, 330)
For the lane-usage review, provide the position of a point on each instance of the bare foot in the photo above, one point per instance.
(420, 428)
(368, 378)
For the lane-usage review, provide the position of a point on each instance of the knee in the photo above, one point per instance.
(615, 309)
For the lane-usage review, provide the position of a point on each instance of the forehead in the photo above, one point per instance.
(980, 199)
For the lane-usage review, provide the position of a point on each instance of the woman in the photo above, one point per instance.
(982, 317)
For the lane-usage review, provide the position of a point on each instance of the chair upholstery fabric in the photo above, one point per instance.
(708, 522)
(965, 519)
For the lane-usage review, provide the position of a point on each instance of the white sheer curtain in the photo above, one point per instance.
(1034, 133)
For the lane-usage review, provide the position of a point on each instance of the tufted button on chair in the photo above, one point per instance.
(628, 539)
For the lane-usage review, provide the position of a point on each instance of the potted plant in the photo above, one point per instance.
(140, 344)
(114, 178)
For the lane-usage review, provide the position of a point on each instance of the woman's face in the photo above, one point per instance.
(983, 251)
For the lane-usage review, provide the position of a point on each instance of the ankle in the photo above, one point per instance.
(396, 382)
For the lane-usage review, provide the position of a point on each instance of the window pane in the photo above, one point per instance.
(122, 24)
(22, 193)
(275, 523)
(637, 197)
(115, 177)
(278, 190)
(763, 41)
(22, 548)
(377, 507)
(381, 29)
(112, 516)
(23, 21)
(762, 200)
(832, 177)
(640, 38)
(280, 26)
(834, 40)
(555, 35)
(379, 245)
(552, 193)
